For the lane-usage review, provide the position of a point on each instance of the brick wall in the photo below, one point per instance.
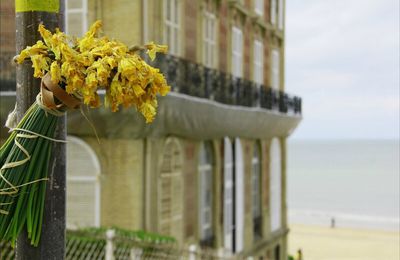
(7, 44)
(190, 27)
(190, 189)
(121, 181)
(267, 60)
(122, 20)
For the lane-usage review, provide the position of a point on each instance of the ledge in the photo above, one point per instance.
(179, 115)
(189, 117)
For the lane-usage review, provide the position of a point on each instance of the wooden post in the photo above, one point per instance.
(28, 16)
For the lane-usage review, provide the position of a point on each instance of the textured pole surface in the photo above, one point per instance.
(29, 14)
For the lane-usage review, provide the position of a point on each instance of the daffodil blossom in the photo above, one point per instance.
(87, 64)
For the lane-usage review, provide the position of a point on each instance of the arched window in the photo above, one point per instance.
(171, 191)
(206, 183)
(83, 185)
(256, 191)
(275, 184)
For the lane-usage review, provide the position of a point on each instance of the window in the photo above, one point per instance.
(240, 195)
(258, 61)
(83, 186)
(206, 193)
(76, 17)
(280, 15)
(256, 191)
(273, 11)
(237, 52)
(209, 43)
(228, 194)
(259, 7)
(275, 77)
(277, 253)
(275, 184)
(171, 25)
(171, 191)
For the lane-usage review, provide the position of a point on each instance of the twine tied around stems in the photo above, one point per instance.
(53, 100)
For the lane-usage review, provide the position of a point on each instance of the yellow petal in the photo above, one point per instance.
(40, 65)
(46, 34)
(148, 112)
(152, 49)
(55, 72)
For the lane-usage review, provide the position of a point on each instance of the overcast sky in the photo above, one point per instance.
(342, 58)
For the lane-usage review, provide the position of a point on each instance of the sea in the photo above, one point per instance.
(353, 183)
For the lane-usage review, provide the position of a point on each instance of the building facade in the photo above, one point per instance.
(211, 170)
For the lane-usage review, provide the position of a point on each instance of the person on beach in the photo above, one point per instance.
(332, 222)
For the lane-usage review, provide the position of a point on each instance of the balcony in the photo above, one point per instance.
(196, 80)
(204, 104)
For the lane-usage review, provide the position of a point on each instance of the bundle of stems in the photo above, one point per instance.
(24, 161)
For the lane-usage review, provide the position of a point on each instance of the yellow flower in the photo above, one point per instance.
(152, 49)
(68, 54)
(148, 112)
(75, 83)
(55, 72)
(91, 80)
(40, 65)
(93, 63)
(38, 48)
(46, 35)
(87, 42)
(138, 90)
(127, 67)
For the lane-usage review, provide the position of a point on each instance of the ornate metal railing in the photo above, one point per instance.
(197, 80)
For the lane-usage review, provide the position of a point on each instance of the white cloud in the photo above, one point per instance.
(342, 57)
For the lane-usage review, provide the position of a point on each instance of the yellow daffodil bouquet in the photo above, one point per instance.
(71, 71)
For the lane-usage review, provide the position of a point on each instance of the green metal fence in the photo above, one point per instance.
(118, 244)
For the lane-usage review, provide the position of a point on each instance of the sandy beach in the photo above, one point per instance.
(323, 243)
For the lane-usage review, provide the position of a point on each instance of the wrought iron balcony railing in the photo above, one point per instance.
(197, 80)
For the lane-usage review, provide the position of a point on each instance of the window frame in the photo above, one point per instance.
(209, 43)
(93, 179)
(273, 11)
(228, 195)
(206, 193)
(259, 7)
(276, 184)
(256, 196)
(174, 173)
(237, 53)
(258, 62)
(275, 68)
(172, 27)
(84, 12)
(281, 14)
